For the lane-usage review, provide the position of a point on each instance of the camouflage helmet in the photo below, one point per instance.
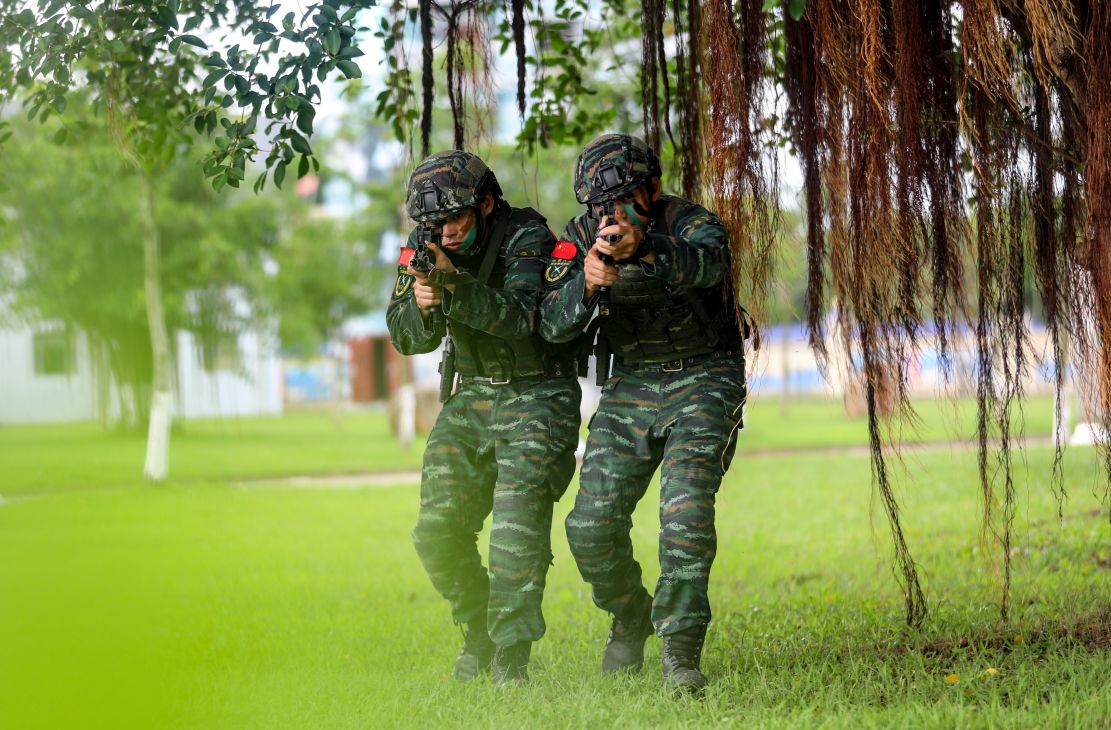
(613, 166)
(448, 182)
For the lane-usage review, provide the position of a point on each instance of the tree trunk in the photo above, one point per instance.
(161, 402)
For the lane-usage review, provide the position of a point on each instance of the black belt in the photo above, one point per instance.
(493, 381)
(564, 371)
(681, 364)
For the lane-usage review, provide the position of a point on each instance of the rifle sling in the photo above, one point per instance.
(491, 254)
(493, 245)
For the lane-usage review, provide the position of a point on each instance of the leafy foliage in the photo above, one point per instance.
(73, 252)
(150, 68)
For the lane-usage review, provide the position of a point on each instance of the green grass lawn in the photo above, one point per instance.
(70, 457)
(822, 423)
(203, 605)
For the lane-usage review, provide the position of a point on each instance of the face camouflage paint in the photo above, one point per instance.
(633, 212)
(469, 239)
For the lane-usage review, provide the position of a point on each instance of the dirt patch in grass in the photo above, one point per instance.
(1092, 631)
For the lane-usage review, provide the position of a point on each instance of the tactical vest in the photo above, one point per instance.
(483, 354)
(652, 322)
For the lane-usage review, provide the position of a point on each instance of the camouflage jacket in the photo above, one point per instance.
(494, 325)
(678, 306)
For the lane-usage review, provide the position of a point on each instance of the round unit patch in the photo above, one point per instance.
(556, 271)
(403, 284)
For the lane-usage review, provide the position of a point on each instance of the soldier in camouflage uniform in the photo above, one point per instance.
(506, 438)
(660, 266)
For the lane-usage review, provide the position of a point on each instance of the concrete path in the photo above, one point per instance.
(336, 481)
(393, 479)
(412, 477)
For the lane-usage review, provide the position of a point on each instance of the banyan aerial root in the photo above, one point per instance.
(956, 161)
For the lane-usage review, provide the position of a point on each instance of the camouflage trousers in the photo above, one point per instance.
(687, 422)
(509, 449)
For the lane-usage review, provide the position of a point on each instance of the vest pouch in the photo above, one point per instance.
(690, 332)
(530, 357)
(466, 357)
(496, 360)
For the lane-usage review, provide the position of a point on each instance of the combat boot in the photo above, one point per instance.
(510, 664)
(477, 652)
(625, 645)
(682, 654)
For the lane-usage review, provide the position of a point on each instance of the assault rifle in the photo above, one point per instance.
(601, 349)
(604, 219)
(423, 262)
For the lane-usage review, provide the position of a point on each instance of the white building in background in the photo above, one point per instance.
(46, 375)
(246, 381)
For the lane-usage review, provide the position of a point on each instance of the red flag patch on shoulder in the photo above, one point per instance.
(406, 255)
(565, 250)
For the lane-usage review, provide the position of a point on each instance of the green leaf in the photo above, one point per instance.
(193, 41)
(299, 144)
(279, 175)
(166, 17)
(303, 167)
(796, 8)
(350, 69)
(60, 136)
(332, 41)
(304, 120)
(213, 77)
